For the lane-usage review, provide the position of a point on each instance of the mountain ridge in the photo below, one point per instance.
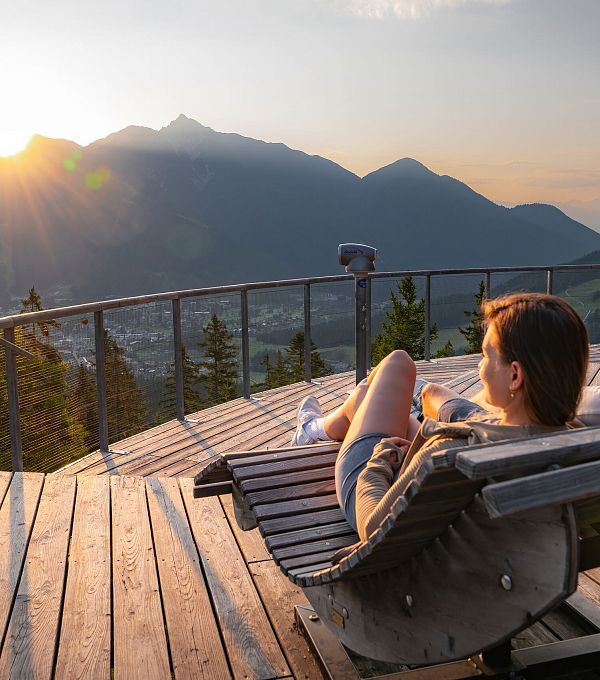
(145, 210)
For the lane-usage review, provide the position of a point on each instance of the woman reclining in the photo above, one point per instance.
(534, 363)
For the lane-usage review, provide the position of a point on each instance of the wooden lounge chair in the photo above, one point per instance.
(484, 541)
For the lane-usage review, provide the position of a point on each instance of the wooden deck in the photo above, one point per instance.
(117, 571)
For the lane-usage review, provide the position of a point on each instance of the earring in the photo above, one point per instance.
(512, 395)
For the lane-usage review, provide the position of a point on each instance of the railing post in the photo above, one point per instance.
(101, 380)
(245, 346)
(369, 321)
(361, 346)
(488, 285)
(178, 349)
(549, 281)
(16, 446)
(307, 338)
(427, 348)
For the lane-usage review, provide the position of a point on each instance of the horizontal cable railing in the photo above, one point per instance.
(169, 329)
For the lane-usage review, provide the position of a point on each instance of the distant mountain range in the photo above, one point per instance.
(143, 211)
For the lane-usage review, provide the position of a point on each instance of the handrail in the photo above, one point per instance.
(362, 332)
(103, 305)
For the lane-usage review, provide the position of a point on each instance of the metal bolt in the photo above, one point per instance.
(313, 617)
(409, 601)
(345, 612)
(506, 582)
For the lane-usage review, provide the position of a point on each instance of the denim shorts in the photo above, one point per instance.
(351, 461)
(458, 410)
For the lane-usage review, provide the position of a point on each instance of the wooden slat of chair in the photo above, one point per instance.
(311, 547)
(554, 487)
(295, 507)
(316, 518)
(305, 560)
(295, 491)
(278, 480)
(312, 534)
(524, 455)
(307, 571)
(220, 467)
(289, 453)
(281, 466)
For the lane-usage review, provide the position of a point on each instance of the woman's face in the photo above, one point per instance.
(496, 374)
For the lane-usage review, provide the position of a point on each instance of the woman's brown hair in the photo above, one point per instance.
(550, 342)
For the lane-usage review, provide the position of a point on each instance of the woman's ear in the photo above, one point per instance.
(516, 376)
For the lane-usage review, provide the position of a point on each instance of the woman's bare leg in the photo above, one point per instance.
(394, 391)
(386, 405)
(337, 422)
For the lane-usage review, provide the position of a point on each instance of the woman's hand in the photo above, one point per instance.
(392, 450)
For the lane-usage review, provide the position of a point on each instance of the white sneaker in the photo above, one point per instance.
(308, 409)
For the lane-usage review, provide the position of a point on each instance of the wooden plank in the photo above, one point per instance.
(296, 507)
(312, 534)
(563, 624)
(282, 455)
(307, 561)
(251, 645)
(194, 640)
(280, 596)
(555, 487)
(306, 521)
(85, 638)
(216, 489)
(532, 453)
(250, 542)
(289, 493)
(536, 634)
(320, 473)
(16, 521)
(589, 588)
(310, 547)
(256, 432)
(31, 638)
(288, 465)
(5, 478)
(140, 649)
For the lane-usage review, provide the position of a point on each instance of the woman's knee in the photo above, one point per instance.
(399, 361)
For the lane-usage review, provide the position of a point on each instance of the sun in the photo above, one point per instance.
(12, 144)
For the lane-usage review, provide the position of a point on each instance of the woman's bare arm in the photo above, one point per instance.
(434, 396)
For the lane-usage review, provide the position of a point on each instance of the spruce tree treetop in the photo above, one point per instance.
(405, 325)
(475, 331)
(219, 366)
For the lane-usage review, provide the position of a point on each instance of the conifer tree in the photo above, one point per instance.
(295, 359)
(405, 327)
(219, 366)
(475, 331)
(276, 374)
(125, 402)
(84, 404)
(50, 434)
(446, 350)
(191, 396)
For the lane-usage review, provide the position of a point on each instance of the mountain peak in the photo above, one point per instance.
(184, 124)
(405, 168)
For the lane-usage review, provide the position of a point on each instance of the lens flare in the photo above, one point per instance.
(70, 163)
(96, 179)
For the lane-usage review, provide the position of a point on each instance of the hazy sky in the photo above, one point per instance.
(503, 94)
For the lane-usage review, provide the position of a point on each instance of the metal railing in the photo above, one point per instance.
(362, 330)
